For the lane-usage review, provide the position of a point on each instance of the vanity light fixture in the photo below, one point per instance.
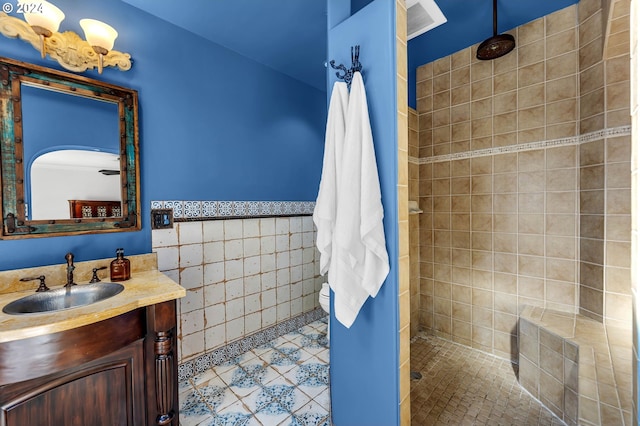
(100, 36)
(44, 18)
(68, 48)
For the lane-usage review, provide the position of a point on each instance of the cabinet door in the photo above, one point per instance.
(106, 392)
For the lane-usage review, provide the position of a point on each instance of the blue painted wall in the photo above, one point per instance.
(364, 358)
(213, 125)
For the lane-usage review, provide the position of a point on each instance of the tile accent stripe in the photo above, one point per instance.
(203, 210)
(222, 354)
(588, 137)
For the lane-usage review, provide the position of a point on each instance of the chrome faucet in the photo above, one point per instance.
(70, 268)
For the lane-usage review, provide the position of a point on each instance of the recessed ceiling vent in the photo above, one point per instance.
(422, 16)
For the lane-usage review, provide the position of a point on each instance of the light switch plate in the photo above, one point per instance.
(161, 218)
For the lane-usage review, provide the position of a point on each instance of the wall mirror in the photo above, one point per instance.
(69, 153)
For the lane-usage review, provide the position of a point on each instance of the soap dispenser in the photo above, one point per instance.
(120, 267)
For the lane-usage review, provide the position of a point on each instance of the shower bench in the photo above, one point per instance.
(578, 368)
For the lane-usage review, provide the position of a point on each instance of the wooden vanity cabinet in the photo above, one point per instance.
(119, 371)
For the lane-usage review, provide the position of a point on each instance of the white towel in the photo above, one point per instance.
(324, 213)
(359, 263)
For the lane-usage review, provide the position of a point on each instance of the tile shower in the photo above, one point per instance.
(243, 275)
(522, 168)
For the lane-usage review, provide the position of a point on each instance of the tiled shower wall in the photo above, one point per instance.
(241, 276)
(605, 181)
(635, 172)
(414, 223)
(514, 153)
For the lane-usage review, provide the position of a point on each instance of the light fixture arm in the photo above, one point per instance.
(68, 48)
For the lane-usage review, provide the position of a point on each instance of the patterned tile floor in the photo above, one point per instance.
(463, 386)
(283, 383)
(286, 383)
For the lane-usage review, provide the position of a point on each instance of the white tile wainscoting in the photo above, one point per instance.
(242, 275)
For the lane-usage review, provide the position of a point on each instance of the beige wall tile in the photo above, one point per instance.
(505, 222)
(561, 180)
(441, 82)
(531, 135)
(531, 223)
(561, 66)
(618, 175)
(461, 58)
(617, 69)
(564, 130)
(561, 20)
(592, 177)
(531, 53)
(441, 100)
(461, 76)
(592, 124)
(531, 182)
(531, 117)
(531, 96)
(531, 32)
(529, 244)
(561, 224)
(562, 88)
(481, 70)
(461, 131)
(590, 29)
(424, 72)
(618, 227)
(441, 117)
(505, 123)
(505, 63)
(531, 74)
(481, 108)
(461, 94)
(618, 201)
(505, 163)
(618, 118)
(442, 65)
(592, 153)
(481, 89)
(529, 203)
(505, 82)
(505, 102)
(561, 43)
(531, 287)
(531, 266)
(424, 88)
(590, 54)
(587, 8)
(505, 139)
(592, 78)
(617, 95)
(562, 111)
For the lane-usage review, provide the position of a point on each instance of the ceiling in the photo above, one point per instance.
(290, 35)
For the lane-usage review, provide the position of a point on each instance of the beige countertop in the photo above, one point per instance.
(146, 287)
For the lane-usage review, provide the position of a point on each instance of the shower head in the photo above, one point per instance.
(498, 45)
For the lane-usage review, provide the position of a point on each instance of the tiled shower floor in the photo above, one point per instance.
(463, 386)
(285, 382)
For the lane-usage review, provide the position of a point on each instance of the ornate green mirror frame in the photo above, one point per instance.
(15, 220)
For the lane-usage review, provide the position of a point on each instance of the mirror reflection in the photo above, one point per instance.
(68, 141)
(60, 177)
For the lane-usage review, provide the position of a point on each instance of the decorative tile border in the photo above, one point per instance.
(574, 140)
(203, 210)
(222, 354)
